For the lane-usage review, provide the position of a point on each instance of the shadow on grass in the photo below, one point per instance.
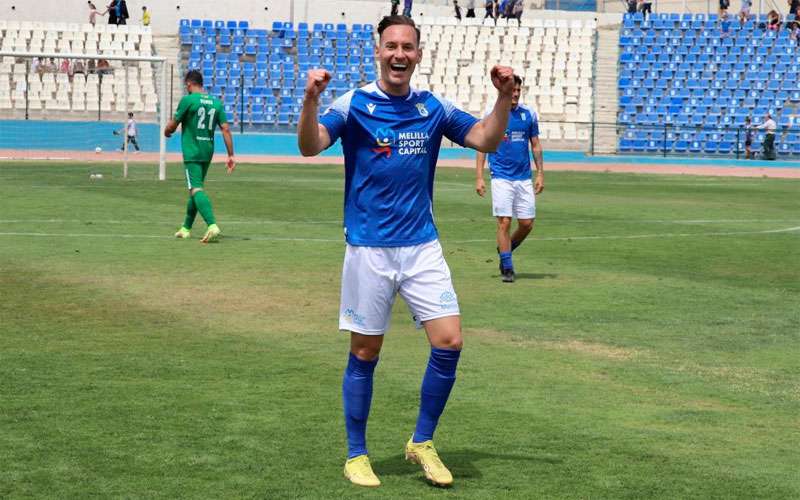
(536, 276)
(533, 276)
(462, 463)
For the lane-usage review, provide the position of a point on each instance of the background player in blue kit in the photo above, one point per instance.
(512, 189)
(391, 135)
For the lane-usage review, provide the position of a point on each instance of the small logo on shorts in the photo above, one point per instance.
(448, 300)
(354, 317)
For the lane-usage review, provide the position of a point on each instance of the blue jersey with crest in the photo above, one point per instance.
(390, 146)
(512, 160)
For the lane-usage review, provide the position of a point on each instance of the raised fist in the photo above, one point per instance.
(318, 80)
(503, 79)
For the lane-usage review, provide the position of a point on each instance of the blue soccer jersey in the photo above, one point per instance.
(512, 160)
(390, 149)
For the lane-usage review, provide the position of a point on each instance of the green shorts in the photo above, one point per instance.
(196, 172)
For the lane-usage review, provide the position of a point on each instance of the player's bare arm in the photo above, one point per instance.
(486, 135)
(228, 138)
(538, 161)
(480, 184)
(313, 138)
(171, 127)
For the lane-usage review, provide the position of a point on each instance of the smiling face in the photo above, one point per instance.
(398, 54)
(515, 95)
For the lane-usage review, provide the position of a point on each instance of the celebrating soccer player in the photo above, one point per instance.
(391, 135)
(512, 189)
(199, 114)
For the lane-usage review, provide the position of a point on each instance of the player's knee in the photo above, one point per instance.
(504, 223)
(526, 224)
(455, 343)
(366, 352)
(194, 191)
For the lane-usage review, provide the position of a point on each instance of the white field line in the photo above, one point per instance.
(341, 240)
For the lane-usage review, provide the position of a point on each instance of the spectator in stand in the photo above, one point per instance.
(64, 67)
(407, 5)
(470, 8)
(631, 6)
(646, 8)
(145, 17)
(122, 12)
(395, 7)
(794, 31)
(458, 9)
(794, 7)
(748, 138)
(744, 11)
(103, 68)
(497, 10)
(723, 8)
(111, 9)
(489, 6)
(49, 66)
(78, 67)
(773, 20)
(769, 126)
(507, 8)
(93, 13)
(516, 11)
(36, 65)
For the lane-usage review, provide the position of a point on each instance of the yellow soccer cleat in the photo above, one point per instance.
(212, 234)
(359, 471)
(183, 234)
(425, 454)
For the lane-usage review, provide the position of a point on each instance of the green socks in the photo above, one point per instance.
(203, 205)
(191, 213)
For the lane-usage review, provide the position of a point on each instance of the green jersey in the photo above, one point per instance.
(199, 115)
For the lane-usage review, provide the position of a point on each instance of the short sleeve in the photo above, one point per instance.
(534, 126)
(183, 107)
(335, 117)
(457, 123)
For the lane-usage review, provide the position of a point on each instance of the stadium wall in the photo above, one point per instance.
(167, 14)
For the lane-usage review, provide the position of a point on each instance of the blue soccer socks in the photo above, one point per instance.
(357, 396)
(436, 385)
(505, 260)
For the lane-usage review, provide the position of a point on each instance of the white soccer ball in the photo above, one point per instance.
(98, 149)
(98, 176)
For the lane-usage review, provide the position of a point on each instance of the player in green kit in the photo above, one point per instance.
(199, 114)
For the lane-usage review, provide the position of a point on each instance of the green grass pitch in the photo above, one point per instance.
(649, 348)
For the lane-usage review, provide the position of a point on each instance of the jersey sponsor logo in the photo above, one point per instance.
(384, 137)
(423, 111)
(371, 107)
(404, 143)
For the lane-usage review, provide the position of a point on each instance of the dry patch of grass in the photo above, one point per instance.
(593, 349)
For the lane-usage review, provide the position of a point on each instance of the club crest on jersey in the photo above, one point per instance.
(371, 107)
(523, 117)
(423, 111)
(384, 137)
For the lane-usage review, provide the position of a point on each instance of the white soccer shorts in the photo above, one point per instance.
(513, 199)
(373, 276)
